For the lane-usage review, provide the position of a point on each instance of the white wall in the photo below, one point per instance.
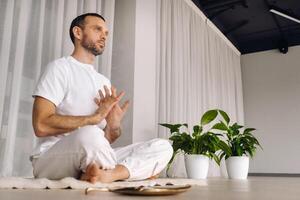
(133, 66)
(144, 71)
(123, 61)
(271, 84)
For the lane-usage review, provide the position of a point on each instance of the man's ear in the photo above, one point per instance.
(77, 31)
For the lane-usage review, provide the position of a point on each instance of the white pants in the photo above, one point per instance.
(72, 154)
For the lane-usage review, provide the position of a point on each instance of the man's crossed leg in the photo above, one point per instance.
(87, 155)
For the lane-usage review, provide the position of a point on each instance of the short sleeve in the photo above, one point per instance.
(52, 85)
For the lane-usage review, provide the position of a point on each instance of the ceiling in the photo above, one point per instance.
(250, 25)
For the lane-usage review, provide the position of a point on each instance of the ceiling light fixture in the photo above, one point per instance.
(282, 14)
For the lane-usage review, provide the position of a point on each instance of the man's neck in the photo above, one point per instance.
(83, 56)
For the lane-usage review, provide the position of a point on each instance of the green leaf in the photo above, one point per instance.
(225, 116)
(182, 141)
(173, 127)
(248, 130)
(222, 155)
(219, 134)
(249, 150)
(216, 158)
(197, 128)
(214, 137)
(171, 161)
(224, 147)
(220, 126)
(175, 137)
(208, 117)
(235, 126)
(239, 151)
(186, 125)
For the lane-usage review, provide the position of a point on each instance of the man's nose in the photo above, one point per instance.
(103, 35)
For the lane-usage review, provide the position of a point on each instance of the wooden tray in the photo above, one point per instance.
(152, 190)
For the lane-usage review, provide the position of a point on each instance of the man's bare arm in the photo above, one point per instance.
(114, 117)
(46, 122)
(112, 134)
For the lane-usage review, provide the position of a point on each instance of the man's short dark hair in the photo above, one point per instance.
(79, 21)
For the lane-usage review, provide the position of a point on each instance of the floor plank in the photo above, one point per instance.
(256, 188)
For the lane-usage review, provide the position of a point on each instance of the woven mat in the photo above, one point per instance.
(72, 183)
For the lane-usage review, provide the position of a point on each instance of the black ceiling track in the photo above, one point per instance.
(236, 26)
(214, 15)
(283, 43)
(250, 25)
(220, 4)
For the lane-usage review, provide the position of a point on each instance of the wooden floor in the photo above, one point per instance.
(254, 188)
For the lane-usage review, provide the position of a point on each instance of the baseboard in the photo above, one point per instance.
(274, 174)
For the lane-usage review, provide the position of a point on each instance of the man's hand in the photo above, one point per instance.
(115, 116)
(46, 122)
(106, 103)
(117, 113)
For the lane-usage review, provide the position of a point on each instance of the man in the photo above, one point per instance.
(77, 115)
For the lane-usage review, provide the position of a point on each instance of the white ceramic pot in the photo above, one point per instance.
(237, 167)
(196, 166)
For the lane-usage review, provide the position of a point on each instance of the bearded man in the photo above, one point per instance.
(77, 115)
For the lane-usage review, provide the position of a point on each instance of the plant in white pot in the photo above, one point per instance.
(237, 147)
(198, 147)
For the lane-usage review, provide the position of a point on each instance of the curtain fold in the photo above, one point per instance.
(197, 70)
(32, 34)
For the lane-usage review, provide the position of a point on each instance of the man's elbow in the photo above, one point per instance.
(108, 139)
(39, 130)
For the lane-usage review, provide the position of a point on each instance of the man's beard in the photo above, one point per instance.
(91, 46)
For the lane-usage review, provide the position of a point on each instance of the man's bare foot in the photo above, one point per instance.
(94, 173)
(153, 177)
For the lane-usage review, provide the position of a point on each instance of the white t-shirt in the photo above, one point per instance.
(72, 87)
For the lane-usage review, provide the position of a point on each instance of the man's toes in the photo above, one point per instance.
(93, 180)
(92, 169)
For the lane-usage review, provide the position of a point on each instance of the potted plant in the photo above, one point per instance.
(237, 147)
(198, 147)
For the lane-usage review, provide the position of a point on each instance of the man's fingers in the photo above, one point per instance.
(125, 106)
(113, 91)
(119, 97)
(97, 101)
(101, 94)
(107, 92)
(115, 103)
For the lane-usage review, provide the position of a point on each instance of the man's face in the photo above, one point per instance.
(94, 35)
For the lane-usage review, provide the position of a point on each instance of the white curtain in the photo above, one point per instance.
(198, 69)
(33, 33)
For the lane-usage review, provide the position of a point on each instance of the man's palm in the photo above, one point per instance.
(117, 113)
